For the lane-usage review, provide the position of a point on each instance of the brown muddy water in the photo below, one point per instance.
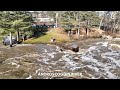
(96, 59)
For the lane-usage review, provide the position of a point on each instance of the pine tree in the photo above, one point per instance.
(6, 24)
(22, 22)
(14, 21)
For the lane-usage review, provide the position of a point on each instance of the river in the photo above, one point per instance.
(96, 59)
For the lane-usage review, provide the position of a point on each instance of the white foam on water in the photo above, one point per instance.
(110, 54)
(45, 60)
(68, 52)
(37, 71)
(76, 58)
(57, 48)
(13, 63)
(88, 59)
(117, 63)
(105, 67)
(87, 56)
(45, 50)
(111, 75)
(113, 60)
(92, 48)
(81, 51)
(105, 44)
(94, 68)
(5, 72)
(18, 66)
(99, 43)
(76, 67)
(72, 65)
(30, 77)
(51, 54)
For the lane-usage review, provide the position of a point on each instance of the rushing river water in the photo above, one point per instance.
(96, 59)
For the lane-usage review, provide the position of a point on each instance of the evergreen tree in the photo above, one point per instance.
(14, 21)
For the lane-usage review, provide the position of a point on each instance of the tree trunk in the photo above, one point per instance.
(101, 23)
(114, 29)
(56, 24)
(71, 32)
(87, 32)
(10, 39)
(23, 38)
(78, 33)
(68, 33)
(104, 28)
(17, 37)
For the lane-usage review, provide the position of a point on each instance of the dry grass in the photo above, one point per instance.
(57, 33)
(93, 33)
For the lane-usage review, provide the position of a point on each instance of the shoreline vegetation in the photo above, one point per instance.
(59, 35)
(62, 37)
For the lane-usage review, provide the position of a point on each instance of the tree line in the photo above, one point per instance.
(20, 22)
(107, 20)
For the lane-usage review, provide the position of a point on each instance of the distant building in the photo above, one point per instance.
(42, 18)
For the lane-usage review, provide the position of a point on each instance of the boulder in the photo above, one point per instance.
(6, 40)
(75, 48)
(115, 47)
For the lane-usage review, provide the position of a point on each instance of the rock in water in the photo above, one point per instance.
(115, 47)
(75, 48)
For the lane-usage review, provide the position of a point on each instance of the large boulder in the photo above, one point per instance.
(6, 40)
(115, 47)
(75, 48)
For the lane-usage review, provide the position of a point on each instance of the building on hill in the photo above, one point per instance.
(42, 18)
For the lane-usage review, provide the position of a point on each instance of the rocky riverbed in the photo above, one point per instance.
(96, 59)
